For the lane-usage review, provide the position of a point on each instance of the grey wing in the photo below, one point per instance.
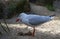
(36, 20)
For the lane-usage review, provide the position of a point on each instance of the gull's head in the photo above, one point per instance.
(22, 14)
(20, 17)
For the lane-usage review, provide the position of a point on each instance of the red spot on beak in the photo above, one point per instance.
(17, 20)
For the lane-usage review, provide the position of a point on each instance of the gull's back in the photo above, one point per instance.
(36, 19)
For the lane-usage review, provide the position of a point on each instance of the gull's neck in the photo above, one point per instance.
(23, 16)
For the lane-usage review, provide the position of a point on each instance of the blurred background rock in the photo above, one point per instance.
(13, 7)
(10, 8)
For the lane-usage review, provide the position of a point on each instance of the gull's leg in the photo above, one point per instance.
(33, 33)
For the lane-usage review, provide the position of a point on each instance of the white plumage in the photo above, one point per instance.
(32, 19)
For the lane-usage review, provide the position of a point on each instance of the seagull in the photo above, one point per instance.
(33, 19)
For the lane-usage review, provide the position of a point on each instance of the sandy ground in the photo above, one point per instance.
(48, 30)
